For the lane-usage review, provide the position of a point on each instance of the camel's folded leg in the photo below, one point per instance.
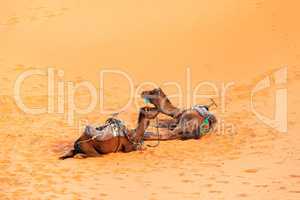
(167, 123)
(87, 150)
(168, 135)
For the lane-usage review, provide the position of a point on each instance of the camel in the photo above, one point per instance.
(186, 124)
(97, 141)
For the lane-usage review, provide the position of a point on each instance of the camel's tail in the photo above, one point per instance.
(69, 154)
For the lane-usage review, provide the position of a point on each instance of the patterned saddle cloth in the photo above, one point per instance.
(206, 125)
(112, 128)
(202, 110)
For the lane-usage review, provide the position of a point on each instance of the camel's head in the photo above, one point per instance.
(155, 96)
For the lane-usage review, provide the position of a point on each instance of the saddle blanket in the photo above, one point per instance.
(202, 110)
(106, 133)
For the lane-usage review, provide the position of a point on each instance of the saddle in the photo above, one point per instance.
(112, 128)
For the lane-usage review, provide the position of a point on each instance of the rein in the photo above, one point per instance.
(158, 136)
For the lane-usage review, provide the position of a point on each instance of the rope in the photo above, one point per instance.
(158, 136)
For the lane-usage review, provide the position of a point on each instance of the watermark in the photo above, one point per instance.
(62, 95)
(279, 121)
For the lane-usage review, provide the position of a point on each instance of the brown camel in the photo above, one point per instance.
(95, 142)
(186, 124)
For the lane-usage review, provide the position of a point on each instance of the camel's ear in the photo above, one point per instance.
(160, 91)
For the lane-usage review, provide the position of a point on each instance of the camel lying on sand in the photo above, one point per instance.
(112, 137)
(186, 124)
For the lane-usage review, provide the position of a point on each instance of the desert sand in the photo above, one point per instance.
(220, 41)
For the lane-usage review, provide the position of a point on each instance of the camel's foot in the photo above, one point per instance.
(80, 156)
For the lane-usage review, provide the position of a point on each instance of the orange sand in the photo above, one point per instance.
(219, 40)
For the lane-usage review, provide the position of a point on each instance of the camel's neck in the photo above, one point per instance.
(167, 108)
(141, 128)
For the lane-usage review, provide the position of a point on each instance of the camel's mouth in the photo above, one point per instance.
(149, 112)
